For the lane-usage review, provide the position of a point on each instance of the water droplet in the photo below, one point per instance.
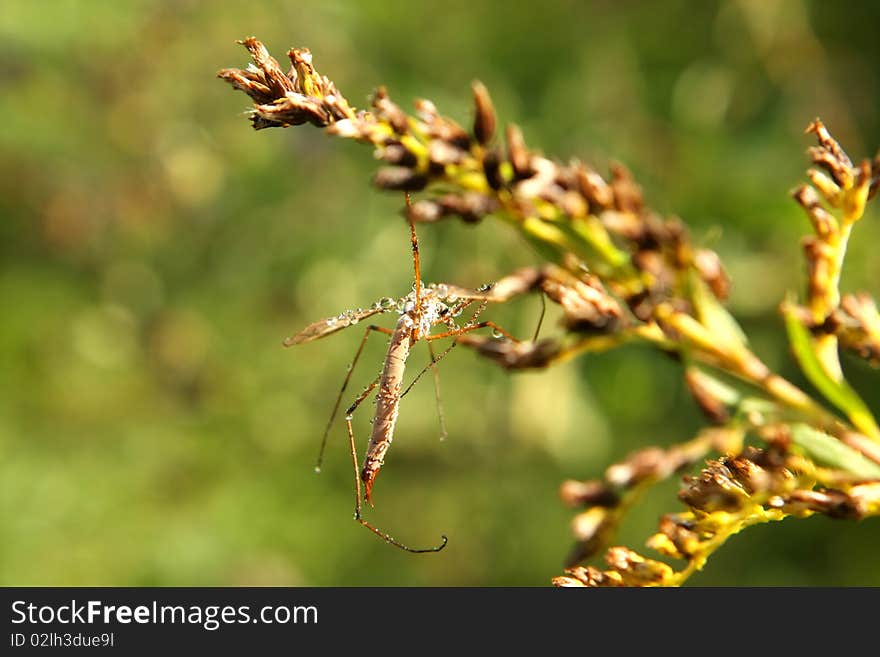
(442, 290)
(387, 303)
(401, 305)
(349, 417)
(452, 298)
(331, 321)
(317, 469)
(498, 335)
(354, 320)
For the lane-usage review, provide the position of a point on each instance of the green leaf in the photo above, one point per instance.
(714, 316)
(827, 450)
(838, 393)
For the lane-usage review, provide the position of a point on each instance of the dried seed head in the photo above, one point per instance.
(484, 114)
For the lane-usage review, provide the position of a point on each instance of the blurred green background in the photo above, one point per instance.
(155, 251)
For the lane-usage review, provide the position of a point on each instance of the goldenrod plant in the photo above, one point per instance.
(622, 273)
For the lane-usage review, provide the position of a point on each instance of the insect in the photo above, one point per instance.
(419, 312)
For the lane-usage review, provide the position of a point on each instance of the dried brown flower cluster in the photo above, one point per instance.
(730, 494)
(622, 273)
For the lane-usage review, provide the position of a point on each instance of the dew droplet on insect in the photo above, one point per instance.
(318, 469)
(387, 303)
(442, 290)
(498, 335)
(331, 321)
(354, 320)
(349, 417)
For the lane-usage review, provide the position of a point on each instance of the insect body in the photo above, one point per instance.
(420, 311)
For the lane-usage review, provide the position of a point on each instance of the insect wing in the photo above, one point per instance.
(453, 292)
(325, 327)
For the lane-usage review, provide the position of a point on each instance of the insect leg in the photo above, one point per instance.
(371, 328)
(357, 486)
(443, 433)
(472, 327)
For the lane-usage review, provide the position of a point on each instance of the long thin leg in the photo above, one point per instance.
(430, 365)
(473, 327)
(540, 319)
(417, 265)
(440, 416)
(357, 355)
(357, 485)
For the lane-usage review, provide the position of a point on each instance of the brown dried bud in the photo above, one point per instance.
(875, 177)
(635, 569)
(427, 211)
(484, 115)
(832, 503)
(827, 187)
(828, 142)
(841, 173)
(640, 465)
(400, 179)
(492, 169)
(713, 490)
(513, 355)
(711, 270)
(397, 154)
(272, 76)
(587, 493)
(442, 153)
(823, 221)
(517, 152)
(857, 323)
(597, 192)
(589, 576)
(390, 112)
(713, 408)
(627, 194)
(588, 307)
(679, 532)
